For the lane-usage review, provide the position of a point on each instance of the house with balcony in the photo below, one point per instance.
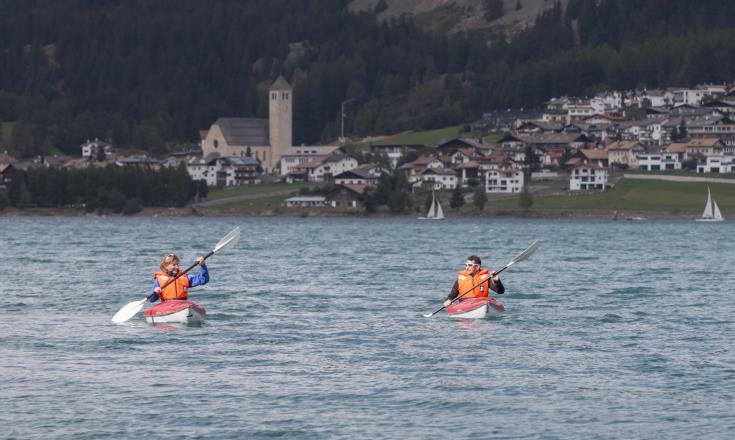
(435, 178)
(716, 164)
(588, 176)
(225, 171)
(367, 174)
(504, 180)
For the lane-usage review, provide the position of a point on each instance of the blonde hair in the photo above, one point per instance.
(168, 259)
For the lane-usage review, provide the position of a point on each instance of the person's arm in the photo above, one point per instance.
(497, 286)
(155, 290)
(453, 294)
(202, 277)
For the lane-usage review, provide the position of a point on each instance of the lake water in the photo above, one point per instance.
(315, 330)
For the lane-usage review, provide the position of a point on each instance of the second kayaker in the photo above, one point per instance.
(178, 289)
(474, 275)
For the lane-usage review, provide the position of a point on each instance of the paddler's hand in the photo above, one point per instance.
(157, 290)
(200, 261)
(447, 302)
(495, 277)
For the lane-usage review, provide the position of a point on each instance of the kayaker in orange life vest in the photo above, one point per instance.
(179, 289)
(471, 276)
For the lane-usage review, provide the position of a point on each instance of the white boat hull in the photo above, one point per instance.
(489, 307)
(179, 312)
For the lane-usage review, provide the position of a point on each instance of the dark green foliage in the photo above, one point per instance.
(147, 74)
(566, 155)
(427, 202)
(525, 201)
(109, 188)
(532, 161)
(392, 191)
(678, 133)
(4, 201)
(457, 200)
(493, 9)
(202, 190)
(479, 198)
(131, 207)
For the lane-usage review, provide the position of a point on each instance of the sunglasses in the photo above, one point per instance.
(469, 265)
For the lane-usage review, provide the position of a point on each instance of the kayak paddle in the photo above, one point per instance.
(520, 257)
(131, 309)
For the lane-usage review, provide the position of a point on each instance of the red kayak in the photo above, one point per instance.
(180, 311)
(476, 308)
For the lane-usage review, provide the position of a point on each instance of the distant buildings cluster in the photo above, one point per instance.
(667, 129)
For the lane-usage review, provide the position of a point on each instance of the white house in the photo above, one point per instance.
(623, 153)
(90, 149)
(504, 180)
(586, 176)
(649, 161)
(306, 202)
(716, 164)
(367, 174)
(436, 178)
(295, 157)
(333, 164)
(224, 171)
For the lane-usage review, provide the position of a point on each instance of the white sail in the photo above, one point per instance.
(711, 210)
(432, 208)
(708, 207)
(435, 210)
(439, 212)
(717, 214)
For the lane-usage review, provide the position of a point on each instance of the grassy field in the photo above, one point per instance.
(217, 194)
(651, 196)
(647, 197)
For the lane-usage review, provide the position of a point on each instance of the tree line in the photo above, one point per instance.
(120, 190)
(151, 73)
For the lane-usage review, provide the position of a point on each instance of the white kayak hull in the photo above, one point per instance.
(176, 311)
(476, 308)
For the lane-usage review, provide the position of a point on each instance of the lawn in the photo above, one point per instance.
(653, 196)
(216, 194)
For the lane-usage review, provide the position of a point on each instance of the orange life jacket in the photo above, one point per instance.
(179, 289)
(465, 282)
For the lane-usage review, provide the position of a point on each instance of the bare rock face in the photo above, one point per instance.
(451, 16)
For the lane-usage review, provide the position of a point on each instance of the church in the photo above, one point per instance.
(265, 140)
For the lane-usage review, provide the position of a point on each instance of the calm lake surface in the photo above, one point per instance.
(612, 330)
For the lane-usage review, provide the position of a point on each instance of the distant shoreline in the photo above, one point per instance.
(303, 213)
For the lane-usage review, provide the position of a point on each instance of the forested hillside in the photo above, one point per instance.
(151, 73)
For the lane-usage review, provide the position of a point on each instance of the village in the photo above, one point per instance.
(572, 144)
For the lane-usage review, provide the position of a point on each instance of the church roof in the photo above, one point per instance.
(245, 131)
(280, 84)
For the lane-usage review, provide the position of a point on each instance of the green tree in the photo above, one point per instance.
(457, 199)
(479, 198)
(493, 9)
(525, 201)
(4, 201)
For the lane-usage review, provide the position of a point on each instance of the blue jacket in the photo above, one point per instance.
(194, 280)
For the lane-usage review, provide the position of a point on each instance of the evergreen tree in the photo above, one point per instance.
(457, 200)
(525, 201)
(479, 198)
(493, 9)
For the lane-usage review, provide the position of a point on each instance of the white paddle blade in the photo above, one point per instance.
(525, 254)
(128, 311)
(228, 240)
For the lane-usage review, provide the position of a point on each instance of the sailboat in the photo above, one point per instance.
(435, 210)
(711, 210)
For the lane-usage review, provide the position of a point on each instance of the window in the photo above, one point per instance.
(216, 142)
